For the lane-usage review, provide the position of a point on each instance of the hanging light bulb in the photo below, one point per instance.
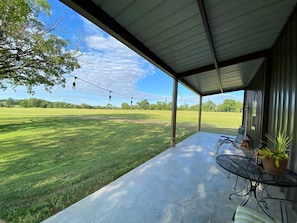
(18, 58)
(109, 95)
(74, 84)
(19, 52)
(131, 101)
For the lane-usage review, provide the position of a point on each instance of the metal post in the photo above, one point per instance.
(173, 112)
(199, 114)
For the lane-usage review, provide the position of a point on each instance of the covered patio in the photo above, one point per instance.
(182, 184)
(211, 47)
(215, 47)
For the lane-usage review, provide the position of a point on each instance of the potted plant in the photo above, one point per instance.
(275, 159)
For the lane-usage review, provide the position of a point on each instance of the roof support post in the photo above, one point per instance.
(199, 114)
(173, 112)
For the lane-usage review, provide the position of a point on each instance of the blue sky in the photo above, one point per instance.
(108, 68)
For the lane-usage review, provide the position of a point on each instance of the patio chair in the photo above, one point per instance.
(286, 208)
(284, 211)
(226, 144)
(231, 140)
(247, 215)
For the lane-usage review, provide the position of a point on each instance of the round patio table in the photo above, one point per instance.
(246, 168)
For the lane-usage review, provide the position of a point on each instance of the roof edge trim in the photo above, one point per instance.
(240, 59)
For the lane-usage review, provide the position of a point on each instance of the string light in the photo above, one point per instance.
(19, 51)
(74, 84)
(110, 92)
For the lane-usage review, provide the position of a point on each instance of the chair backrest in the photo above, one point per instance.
(240, 134)
(247, 215)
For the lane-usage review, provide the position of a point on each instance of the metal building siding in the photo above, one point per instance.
(283, 100)
(255, 92)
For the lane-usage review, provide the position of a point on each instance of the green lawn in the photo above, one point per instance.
(51, 158)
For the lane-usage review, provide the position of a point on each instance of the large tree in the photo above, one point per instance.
(230, 105)
(144, 104)
(30, 54)
(208, 106)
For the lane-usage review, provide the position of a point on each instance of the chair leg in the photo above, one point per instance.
(218, 146)
(235, 183)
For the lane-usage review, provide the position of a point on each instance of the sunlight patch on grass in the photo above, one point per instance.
(51, 158)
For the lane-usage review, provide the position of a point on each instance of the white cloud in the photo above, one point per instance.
(109, 65)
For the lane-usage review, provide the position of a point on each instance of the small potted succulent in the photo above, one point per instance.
(275, 159)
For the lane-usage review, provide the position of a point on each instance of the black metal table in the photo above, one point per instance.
(246, 168)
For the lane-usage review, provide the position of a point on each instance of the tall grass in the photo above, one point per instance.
(51, 158)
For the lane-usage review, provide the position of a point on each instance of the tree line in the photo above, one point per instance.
(229, 105)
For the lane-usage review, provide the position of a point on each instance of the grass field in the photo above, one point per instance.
(51, 158)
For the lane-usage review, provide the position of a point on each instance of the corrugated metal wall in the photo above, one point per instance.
(283, 87)
(277, 93)
(283, 90)
(255, 92)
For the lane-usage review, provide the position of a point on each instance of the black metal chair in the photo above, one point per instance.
(224, 142)
(285, 212)
(287, 209)
(231, 145)
(248, 215)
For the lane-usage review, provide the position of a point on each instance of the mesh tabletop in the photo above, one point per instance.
(246, 167)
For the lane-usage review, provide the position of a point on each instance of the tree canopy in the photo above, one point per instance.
(208, 106)
(230, 105)
(30, 55)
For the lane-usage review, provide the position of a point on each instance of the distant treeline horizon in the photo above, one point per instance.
(229, 105)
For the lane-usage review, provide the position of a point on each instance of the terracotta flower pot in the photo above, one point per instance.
(269, 166)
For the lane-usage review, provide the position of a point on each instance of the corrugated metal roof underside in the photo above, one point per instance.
(172, 34)
(234, 75)
(242, 27)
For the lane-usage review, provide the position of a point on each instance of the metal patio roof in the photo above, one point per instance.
(211, 46)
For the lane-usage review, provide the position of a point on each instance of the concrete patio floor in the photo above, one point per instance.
(183, 184)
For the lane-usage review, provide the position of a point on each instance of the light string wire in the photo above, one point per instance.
(113, 92)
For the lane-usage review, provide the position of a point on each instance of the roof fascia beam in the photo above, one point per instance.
(245, 58)
(236, 60)
(197, 70)
(95, 14)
